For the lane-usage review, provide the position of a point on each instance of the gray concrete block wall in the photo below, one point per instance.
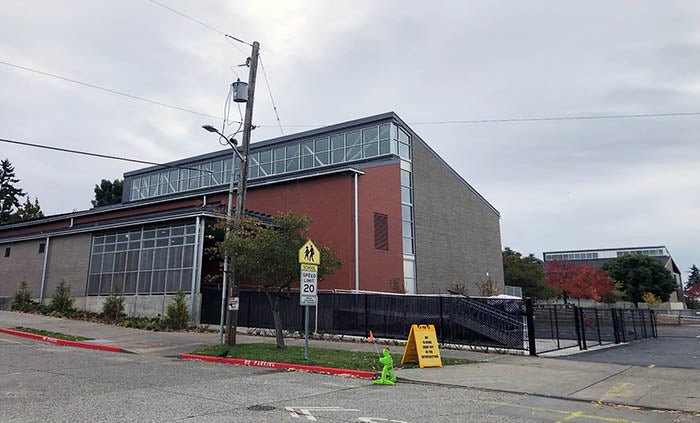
(69, 260)
(25, 263)
(458, 236)
(5, 303)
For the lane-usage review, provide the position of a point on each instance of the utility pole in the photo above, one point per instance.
(234, 288)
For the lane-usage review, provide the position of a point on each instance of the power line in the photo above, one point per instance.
(516, 120)
(200, 22)
(103, 156)
(556, 118)
(236, 47)
(444, 122)
(269, 90)
(229, 38)
(109, 90)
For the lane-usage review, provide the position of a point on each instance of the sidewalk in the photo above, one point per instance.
(658, 387)
(176, 343)
(662, 388)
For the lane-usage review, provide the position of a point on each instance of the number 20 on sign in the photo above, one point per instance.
(309, 280)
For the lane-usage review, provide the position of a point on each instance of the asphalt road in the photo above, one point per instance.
(45, 382)
(676, 347)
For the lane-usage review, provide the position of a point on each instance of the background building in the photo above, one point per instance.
(597, 258)
(402, 219)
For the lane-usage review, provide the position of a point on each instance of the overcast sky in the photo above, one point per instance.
(558, 185)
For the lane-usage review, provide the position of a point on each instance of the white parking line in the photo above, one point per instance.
(306, 411)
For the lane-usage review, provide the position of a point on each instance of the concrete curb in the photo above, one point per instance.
(273, 365)
(64, 342)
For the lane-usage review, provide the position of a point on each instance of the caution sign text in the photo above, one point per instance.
(422, 347)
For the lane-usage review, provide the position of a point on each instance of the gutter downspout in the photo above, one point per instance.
(43, 271)
(195, 269)
(357, 247)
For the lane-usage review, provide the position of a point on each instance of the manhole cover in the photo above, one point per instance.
(259, 407)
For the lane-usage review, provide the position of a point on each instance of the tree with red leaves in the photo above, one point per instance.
(577, 281)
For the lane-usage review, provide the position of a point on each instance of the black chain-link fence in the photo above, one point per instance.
(559, 326)
(488, 322)
(457, 320)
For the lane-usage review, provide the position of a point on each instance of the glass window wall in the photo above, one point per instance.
(144, 261)
(358, 144)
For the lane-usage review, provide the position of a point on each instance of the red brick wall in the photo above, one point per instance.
(329, 200)
(380, 192)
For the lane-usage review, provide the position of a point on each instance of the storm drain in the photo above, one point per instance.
(258, 407)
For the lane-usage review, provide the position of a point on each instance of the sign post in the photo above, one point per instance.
(309, 260)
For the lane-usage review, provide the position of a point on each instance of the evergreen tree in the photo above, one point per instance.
(27, 211)
(692, 287)
(108, 192)
(693, 277)
(9, 193)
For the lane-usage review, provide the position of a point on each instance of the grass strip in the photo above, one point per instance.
(57, 335)
(339, 359)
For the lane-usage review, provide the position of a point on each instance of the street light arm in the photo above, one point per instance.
(234, 147)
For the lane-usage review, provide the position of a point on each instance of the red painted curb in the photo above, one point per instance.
(273, 365)
(79, 344)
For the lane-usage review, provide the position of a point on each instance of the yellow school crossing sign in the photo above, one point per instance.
(309, 254)
(309, 259)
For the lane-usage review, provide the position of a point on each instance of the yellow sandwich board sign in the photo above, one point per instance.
(422, 347)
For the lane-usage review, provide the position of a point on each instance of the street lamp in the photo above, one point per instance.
(225, 284)
(232, 318)
(232, 141)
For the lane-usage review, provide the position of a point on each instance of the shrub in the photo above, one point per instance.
(613, 296)
(22, 300)
(150, 323)
(113, 308)
(651, 299)
(177, 315)
(61, 301)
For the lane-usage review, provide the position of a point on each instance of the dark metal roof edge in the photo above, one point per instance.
(272, 141)
(97, 210)
(84, 229)
(590, 250)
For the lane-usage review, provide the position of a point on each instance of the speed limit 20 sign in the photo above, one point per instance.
(309, 280)
(309, 259)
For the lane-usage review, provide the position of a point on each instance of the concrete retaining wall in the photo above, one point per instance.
(5, 303)
(140, 305)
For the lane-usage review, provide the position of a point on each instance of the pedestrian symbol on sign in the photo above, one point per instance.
(309, 254)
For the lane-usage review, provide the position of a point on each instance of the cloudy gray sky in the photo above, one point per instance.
(558, 184)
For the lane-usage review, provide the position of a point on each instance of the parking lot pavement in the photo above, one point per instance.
(676, 347)
(46, 382)
(575, 378)
(658, 387)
